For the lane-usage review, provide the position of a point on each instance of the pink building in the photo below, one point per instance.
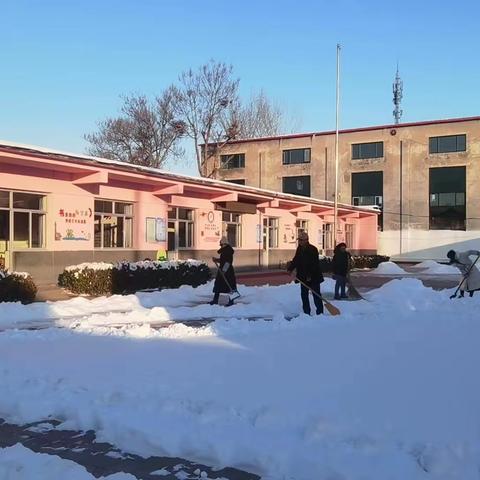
(59, 209)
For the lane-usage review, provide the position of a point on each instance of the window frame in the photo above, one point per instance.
(435, 207)
(236, 224)
(367, 157)
(189, 227)
(301, 225)
(226, 161)
(128, 224)
(305, 178)
(42, 212)
(435, 142)
(287, 153)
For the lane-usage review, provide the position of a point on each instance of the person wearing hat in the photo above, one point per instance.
(471, 275)
(340, 265)
(306, 262)
(225, 281)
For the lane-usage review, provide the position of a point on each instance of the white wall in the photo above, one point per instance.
(426, 244)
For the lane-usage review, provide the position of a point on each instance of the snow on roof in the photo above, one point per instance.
(175, 176)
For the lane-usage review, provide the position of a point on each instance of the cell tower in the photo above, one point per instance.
(397, 97)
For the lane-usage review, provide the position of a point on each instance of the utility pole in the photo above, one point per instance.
(335, 208)
(397, 97)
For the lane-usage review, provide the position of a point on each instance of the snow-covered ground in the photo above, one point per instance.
(20, 463)
(387, 390)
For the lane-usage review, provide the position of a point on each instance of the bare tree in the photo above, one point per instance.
(202, 98)
(145, 134)
(260, 117)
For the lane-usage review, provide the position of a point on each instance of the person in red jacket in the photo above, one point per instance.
(306, 262)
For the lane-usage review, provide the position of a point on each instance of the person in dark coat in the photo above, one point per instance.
(227, 273)
(306, 262)
(341, 266)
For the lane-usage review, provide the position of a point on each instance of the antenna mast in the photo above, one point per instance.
(397, 97)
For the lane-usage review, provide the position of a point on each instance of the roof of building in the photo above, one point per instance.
(42, 152)
(353, 130)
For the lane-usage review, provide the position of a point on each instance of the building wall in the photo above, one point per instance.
(71, 207)
(410, 238)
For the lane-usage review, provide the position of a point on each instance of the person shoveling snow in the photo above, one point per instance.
(225, 281)
(471, 275)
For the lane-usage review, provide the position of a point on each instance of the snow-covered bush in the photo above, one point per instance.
(17, 287)
(358, 261)
(128, 277)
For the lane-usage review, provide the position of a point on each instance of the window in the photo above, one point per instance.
(113, 227)
(349, 235)
(235, 160)
(232, 228)
(367, 191)
(448, 144)
(447, 198)
(180, 228)
(297, 155)
(240, 181)
(367, 150)
(301, 226)
(327, 236)
(297, 185)
(270, 233)
(28, 212)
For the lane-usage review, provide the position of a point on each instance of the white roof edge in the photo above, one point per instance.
(181, 176)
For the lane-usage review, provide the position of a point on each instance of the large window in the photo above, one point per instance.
(367, 191)
(235, 160)
(297, 185)
(447, 198)
(113, 226)
(27, 213)
(232, 228)
(297, 155)
(367, 150)
(448, 144)
(180, 228)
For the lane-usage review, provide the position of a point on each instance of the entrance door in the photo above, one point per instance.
(5, 261)
(172, 241)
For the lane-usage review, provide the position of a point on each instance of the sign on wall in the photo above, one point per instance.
(210, 230)
(73, 225)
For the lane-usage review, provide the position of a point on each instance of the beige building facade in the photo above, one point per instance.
(424, 177)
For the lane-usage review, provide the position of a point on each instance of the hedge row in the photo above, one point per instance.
(126, 277)
(17, 287)
(358, 261)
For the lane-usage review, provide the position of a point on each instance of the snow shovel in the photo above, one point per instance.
(464, 278)
(352, 291)
(236, 293)
(332, 309)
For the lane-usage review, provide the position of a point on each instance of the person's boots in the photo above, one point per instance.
(215, 299)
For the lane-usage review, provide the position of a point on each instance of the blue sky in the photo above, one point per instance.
(64, 63)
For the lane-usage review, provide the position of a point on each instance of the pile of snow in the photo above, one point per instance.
(389, 389)
(388, 268)
(432, 267)
(20, 463)
(144, 264)
(183, 304)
